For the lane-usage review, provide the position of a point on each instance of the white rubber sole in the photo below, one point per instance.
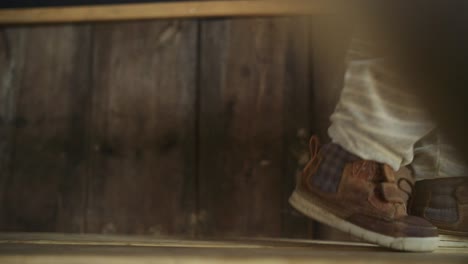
(413, 244)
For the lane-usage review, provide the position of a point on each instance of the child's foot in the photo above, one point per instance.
(362, 198)
(444, 203)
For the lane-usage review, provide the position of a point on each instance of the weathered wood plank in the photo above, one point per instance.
(143, 128)
(329, 40)
(49, 130)
(10, 43)
(298, 122)
(91, 249)
(245, 91)
(152, 241)
(185, 9)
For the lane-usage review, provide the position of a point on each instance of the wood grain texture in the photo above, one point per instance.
(329, 38)
(166, 10)
(48, 239)
(45, 177)
(91, 249)
(10, 43)
(143, 129)
(246, 88)
(298, 122)
(104, 123)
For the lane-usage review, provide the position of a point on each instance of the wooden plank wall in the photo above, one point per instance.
(44, 178)
(252, 86)
(143, 128)
(192, 128)
(330, 37)
(8, 68)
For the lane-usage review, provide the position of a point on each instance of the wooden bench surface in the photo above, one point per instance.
(65, 248)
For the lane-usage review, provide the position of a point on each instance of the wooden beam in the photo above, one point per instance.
(190, 9)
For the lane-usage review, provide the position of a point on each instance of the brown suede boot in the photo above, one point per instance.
(361, 197)
(444, 203)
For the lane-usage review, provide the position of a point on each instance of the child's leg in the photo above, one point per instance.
(435, 157)
(375, 118)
